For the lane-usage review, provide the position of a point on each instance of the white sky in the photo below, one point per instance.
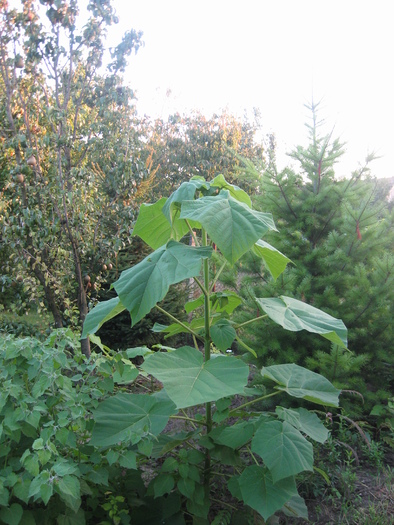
(272, 55)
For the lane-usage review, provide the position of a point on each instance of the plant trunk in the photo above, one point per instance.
(50, 297)
(82, 302)
(83, 312)
(207, 352)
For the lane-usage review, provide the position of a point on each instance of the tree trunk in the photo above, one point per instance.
(82, 298)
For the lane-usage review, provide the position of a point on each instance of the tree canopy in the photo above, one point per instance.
(71, 157)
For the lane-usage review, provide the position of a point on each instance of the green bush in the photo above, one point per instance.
(48, 471)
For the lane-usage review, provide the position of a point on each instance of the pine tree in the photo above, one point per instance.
(342, 231)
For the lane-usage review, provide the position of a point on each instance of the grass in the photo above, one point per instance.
(367, 500)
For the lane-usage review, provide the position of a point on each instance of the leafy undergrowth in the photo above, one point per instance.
(50, 472)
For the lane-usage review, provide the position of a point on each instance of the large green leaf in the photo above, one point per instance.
(259, 492)
(101, 313)
(232, 225)
(130, 417)
(283, 448)
(275, 261)
(185, 192)
(307, 422)
(302, 383)
(240, 195)
(296, 315)
(154, 227)
(141, 287)
(188, 380)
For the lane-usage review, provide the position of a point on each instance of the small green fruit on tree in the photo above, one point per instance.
(262, 451)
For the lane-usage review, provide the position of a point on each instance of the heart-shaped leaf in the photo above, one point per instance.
(232, 225)
(259, 492)
(283, 448)
(223, 334)
(129, 417)
(302, 383)
(141, 287)
(11, 515)
(188, 380)
(296, 315)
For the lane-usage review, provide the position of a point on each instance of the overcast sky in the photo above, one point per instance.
(273, 55)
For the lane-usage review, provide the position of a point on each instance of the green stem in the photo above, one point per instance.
(207, 349)
(207, 306)
(224, 503)
(241, 325)
(195, 343)
(253, 401)
(218, 275)
(189, 419)
(200, 285)
(244, 345)
(252, 455)
(194, 334)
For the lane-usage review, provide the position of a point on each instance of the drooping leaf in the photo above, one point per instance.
(237, 193)
(186, 191)
(259, 492)
(296, 315)
(283, 448)
(307, 422)
(275, 261)
(129, 417)
(95, 339)
(223, 334)
(141, 287)
(101, 313)
(188, 380)
(154, 227)
(302, 383)
(232, 225)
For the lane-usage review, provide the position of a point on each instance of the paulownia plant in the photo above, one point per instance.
(202, 227)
